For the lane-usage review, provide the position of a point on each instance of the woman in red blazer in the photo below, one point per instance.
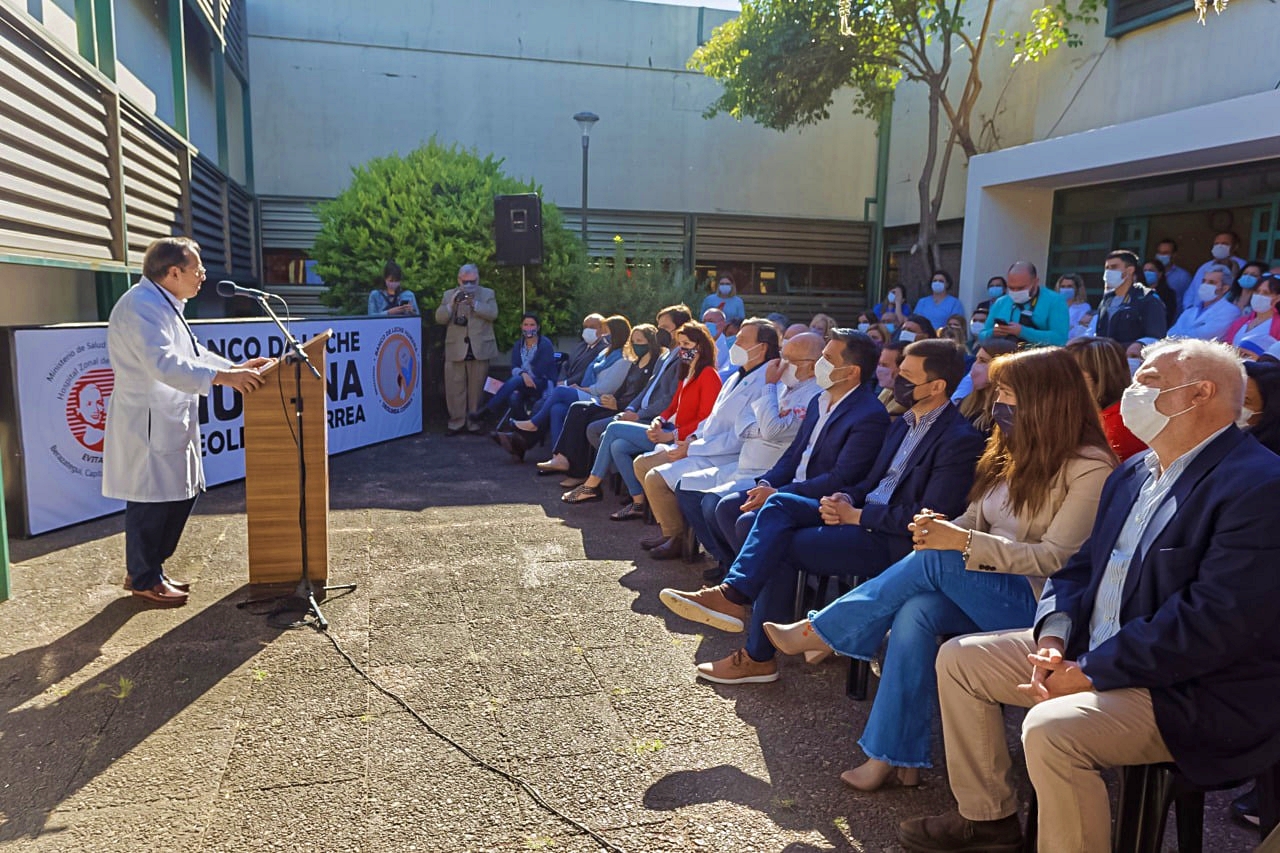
(623, 440)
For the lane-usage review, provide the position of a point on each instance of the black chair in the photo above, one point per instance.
(1147, 791)
(520, 409)
(821, 594)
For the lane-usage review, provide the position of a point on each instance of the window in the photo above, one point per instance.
(1126, 15)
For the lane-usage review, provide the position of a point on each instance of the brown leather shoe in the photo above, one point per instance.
(162, 595)
(707, 606)
(739, 668)
(671, 549)
(954, 833)
(651, 542)
(180, 586)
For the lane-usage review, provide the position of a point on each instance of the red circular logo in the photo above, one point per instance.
(87, 406)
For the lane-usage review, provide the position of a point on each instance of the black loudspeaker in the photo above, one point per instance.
(517, 229)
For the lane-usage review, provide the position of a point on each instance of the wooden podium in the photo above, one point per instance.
(271, 472)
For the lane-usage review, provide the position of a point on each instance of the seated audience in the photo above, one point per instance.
(1213, 312)
(879, 333)
(793, 330)
(1079, 312)
(1107, 374)
(780, 322)
(1154, 643)
(894, 306)
(1028, 312)
(915, 327)
(975, 405)
(776, 418)
(718, 327)
(1127, 310)
(725, 299)
(716, 444)
(926, 460)
(1259, 328)
(822, 324)
(977, 322)
(1154, 278)
(624, 440)
(887, 366)
(603, 376)
(572, 442)
(954, 330)
(941, 303)
(1032, 505)
(594, 340)
(1247, 278)
(1260, 416)
(996, 287)
(533, 370)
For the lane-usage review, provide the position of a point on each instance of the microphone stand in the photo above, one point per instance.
(305, 593)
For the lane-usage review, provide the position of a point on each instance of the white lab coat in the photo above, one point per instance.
(719, 439)
(152, 448)
(767, 429)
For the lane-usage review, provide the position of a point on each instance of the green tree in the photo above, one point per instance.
(782, 61)
(431, 211)
(635, 284)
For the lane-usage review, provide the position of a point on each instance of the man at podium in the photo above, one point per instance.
(151, 453)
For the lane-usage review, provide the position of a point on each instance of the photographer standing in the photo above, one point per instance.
(469, 311)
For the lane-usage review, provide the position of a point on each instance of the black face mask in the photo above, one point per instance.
(688, 355)
(1003, 415)
(664, 339)
(641, 350)
(904, 392)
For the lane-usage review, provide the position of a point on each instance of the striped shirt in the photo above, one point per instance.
(1105, 621)
(917, 429)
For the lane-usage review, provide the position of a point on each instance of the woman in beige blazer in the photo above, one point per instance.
(1033, 503)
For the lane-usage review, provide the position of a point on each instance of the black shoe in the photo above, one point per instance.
(1244, 808)
(953, 833)
(714, 575)
(514, 443)
(451, 432)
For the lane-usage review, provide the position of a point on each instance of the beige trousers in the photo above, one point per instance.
(1067, 741)
(663, 501)
(463, 385)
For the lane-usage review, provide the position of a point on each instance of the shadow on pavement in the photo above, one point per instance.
(52, 744)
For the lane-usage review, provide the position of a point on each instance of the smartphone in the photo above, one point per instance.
(1000, 323)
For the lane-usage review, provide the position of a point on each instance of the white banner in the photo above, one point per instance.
(64, 381)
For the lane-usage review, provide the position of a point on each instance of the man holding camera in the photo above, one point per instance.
(469, 311)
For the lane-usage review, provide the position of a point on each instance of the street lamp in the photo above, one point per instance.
(585, 120)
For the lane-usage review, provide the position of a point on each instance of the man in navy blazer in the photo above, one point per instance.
(927, 461)
(1156, 642)
(840, 452)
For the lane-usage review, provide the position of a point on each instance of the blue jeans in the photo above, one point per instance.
(732, 522)
(514, 387)
(923, 595)
(766, 567)
(699, 511)
(554, 409)
(621, 443)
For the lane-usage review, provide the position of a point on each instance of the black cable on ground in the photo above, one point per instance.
(515, 780)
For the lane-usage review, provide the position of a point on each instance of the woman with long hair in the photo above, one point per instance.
(1106, 372)
(1034, 498)
(1154, 277)
(623, 441)
(1260, 416)
(604, 376)
(1071, 287)
(976, 405)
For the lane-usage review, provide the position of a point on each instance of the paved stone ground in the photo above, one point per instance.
(528, 631)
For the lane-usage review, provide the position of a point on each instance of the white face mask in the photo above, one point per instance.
(1020, 297)
(739, 356)
(822, 371)
(1111, 279)
(1220, 251)
(1260, 302)
(789, 377)
(884, 377)
(892, 297)
(906, 336)
(976, 327)
(1208, 292)
(938, 287)
(1140, 415)
(590, 336)
(1246, 414)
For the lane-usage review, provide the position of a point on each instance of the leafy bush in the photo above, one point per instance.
(636, 287)
(431, 211)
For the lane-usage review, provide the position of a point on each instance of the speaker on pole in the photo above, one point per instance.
(517, 229)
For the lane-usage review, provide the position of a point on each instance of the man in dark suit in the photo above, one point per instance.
(594, 340)
(1155, 643)
(927, 461)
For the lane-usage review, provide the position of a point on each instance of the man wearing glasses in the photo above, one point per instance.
(151, 453)
(469, 311)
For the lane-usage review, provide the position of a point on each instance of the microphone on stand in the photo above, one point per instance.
(230, 288)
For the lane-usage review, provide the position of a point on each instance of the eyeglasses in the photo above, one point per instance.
(198, 270)
(468, 281)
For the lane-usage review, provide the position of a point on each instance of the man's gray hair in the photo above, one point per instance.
(469, 268)
(1228, 275)
(1215, 362)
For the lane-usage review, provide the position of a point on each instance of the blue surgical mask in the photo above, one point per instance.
(1151, 276)
(995, 291)
(714, 329)
(1067, 293)
(1248, 282)
(1165, 259)
(891, 326)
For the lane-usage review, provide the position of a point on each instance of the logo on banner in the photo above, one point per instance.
(86, 410)
(395, 371)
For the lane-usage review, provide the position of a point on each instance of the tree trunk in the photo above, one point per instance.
(926, 255)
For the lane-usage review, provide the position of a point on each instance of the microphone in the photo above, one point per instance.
(230, 288)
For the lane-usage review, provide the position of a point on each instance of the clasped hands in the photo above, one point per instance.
(1052, 675)
(931, 531)
(657, 434)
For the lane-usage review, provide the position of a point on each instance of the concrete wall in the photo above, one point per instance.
(1171, 66)
(144, 66)
(336, 85)
(36, 295)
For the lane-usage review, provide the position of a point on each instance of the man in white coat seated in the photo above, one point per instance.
(1212, 313)
(767, 430)
(151, 453)
(717, 442)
